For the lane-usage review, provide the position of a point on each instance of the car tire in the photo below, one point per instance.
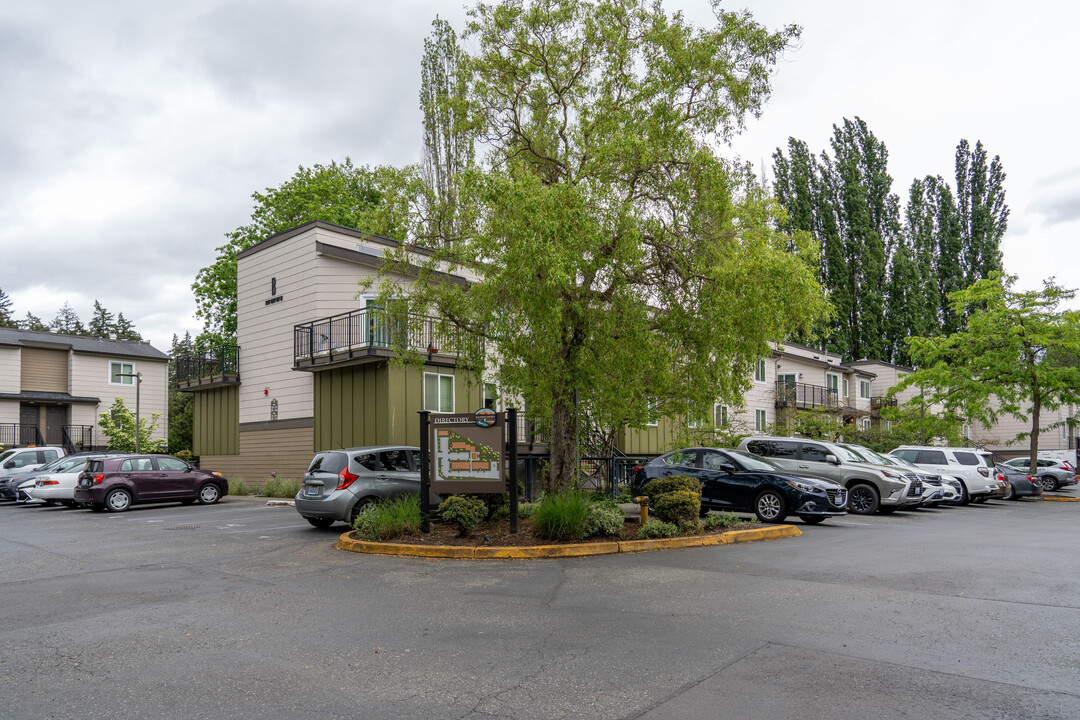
(209, 493)
(1010, 493)
(770, 507)
(813, 519)
(1049, 483)
(356, 509)
(863, 499)
(118, 500)
(321, 523)
(965, 496)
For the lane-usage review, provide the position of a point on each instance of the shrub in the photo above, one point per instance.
(672, 483)
(390, 519)
(681, 507)
(657, 529)
(527, 509)
(185, 455)
(718, 521)
(498, 504)
(605, 518)
(281, 488)
(237, 486)
(563, 516)
(464, 512)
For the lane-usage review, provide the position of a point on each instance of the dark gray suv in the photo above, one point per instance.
(338, 484)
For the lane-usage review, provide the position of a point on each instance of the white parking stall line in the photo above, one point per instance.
(265, 529)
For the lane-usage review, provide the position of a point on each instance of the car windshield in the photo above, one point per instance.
(55, 464)
(754, 462)
(848, 455)
(6, 454)
(871, 456)
(67, 464)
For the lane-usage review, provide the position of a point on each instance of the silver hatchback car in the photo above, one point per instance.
(339, 484)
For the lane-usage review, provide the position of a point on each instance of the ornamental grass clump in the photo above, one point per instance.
(563, 516)
(389, 519)
(281, 488)
(237, 486)
(464, 512)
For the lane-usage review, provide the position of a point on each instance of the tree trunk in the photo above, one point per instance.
(563, 445)
(1033, 445)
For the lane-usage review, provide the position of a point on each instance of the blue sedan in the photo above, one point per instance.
(740, 482)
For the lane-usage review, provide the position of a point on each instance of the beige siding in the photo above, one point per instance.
(1001, 435)
(90, 377)
(9, 411)
(265, 332)
(10, 370)
(262, 452)
(44, 370)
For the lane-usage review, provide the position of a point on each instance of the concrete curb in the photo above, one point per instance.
(562, 551)
(281, 503)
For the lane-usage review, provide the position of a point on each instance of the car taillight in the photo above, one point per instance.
(1001, 477)
(637, 468)
(98, 477)
(984, 472)
(43, 483)
(347, 479)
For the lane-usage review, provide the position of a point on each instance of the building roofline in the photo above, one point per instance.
(324, 225)
(880, 362)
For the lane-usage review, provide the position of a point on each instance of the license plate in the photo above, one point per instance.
(312, 490)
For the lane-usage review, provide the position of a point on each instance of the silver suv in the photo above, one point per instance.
(339, 484)
(871, 488)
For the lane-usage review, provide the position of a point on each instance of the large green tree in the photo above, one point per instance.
(337, 193)
(181, 404)
(102, 324)
(620, 267)
(1005, 361)
(67, 321)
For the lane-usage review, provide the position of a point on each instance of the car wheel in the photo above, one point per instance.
(965, 498)
(357, 509)
(321, 523)
(1049, 483)
(863, 499)
(118, 500)
(813, 519)
(1010, 493)
(209, 494)
(770, 507)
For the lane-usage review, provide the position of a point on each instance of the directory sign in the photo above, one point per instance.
(467, 452)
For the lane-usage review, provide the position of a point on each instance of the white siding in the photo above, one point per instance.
(10, 370)
(9, 411)
(265, 332)
(90, 378)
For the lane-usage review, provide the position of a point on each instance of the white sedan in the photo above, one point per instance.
(58, 485)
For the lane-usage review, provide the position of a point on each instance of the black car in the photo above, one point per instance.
(1020, 483)
(736, 481)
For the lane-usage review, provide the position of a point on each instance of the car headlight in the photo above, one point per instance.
(892, 475)
(805, 487)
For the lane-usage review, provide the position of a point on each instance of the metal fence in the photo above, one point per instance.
(217, 362)
(16, 434)
(607, 476)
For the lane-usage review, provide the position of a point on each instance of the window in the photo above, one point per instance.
(168, 464)
(761, 419)
(682, 458)
(396, 460)
(137, 465)
(491, 396)
(369, 461)
(773, 448)
(720, 418)
(118, 369)
(866, 423)
(845, 387)
(966, 458)
(330, 462)
(813, 453)
(888, 424)
(864, 389)
(832, 381)
(438, 392)
(654, 417)
(759, 371)
(714, 460)
(930, 457)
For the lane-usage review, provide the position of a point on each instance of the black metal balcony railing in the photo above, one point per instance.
(878, 402)
(77, 438)
(20, 435)
(220, 364)
(804, 397)
(365, 331)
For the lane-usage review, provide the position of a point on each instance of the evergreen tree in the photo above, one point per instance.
(180, 403)
(33, 322)
(7, 319)
(67, 322)
(101, 324)
(125, 330)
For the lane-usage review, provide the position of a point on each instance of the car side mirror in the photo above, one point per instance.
(9, 464)
(727, 467)
(830, 458)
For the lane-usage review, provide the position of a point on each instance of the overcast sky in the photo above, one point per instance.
(135, 132)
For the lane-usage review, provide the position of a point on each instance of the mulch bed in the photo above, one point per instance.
(498, 534)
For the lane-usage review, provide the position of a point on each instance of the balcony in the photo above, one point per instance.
(371, 334)
(879, 402)
(216, 367)
(805, 397)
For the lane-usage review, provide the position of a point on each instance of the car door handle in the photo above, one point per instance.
(382, 478)
(804, 467)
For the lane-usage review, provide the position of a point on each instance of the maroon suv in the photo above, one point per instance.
(115, 483)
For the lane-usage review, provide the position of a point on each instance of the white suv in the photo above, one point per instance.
(973, 467)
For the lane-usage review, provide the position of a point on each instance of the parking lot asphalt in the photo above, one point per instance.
(244, 611)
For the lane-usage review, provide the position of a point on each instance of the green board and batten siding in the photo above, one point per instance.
(377, 404)
(216, 421)
(655, 440)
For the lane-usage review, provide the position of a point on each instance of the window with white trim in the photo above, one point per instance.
(864, 389)
(888, 424)
(832, 381)
(866, 423)
(720, 417)
(845, 388)
(491, 396)
(438, 392)
(654, 417)
(759, 371)
(761, 420)
(117, 369)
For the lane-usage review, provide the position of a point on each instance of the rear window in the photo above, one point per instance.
(773, 448)
(330, 462)
(95, 466)
(966, 458)
(931, 457)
